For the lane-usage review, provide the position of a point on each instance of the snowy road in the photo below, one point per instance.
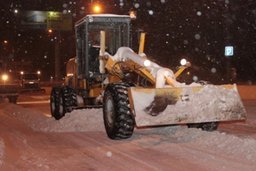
(29, 140)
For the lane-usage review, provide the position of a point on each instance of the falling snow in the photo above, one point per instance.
(194, 28)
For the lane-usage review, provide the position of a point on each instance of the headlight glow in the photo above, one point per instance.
(147, 63)
(183, 62)
(5, 77)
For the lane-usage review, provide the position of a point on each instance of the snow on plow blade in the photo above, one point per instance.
(164, 106)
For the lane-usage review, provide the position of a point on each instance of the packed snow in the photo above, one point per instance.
(78, 120)
(216, 149)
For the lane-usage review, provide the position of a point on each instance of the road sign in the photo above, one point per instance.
(34, 20)
(59, 21)
(229, 50)
(46, 20)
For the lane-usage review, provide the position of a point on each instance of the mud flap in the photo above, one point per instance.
(165, 106)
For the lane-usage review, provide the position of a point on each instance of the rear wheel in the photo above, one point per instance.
(207, 126)
(56, 103)
(117, 115)
(69, 98)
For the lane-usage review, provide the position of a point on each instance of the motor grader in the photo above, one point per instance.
(132, 90)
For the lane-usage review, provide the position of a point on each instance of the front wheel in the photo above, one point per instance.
(118, 120)
(56, 103)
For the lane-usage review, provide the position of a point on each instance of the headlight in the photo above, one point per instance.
(183, 62)
(147, 63)
(5, 77)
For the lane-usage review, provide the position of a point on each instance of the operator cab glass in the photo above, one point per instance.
(117, 29)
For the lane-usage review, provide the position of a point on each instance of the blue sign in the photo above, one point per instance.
(229, 50)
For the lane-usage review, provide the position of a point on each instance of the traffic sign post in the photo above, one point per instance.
(229, 52)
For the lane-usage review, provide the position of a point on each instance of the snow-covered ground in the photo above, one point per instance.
(78, 120)
(30, 140)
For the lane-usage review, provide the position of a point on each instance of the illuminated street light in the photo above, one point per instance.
(5, 41)
(38, 72)
(133, 14)
(5, 77)
(50, 31)
(21, 72)
(96, 8)
(16, 11)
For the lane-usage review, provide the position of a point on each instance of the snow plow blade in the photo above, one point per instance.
(180, 105)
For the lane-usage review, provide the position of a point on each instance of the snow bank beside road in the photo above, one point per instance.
(77, 121)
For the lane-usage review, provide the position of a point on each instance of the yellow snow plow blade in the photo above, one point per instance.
(164, 106)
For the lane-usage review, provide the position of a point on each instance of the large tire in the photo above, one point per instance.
(56, 103)
(207, 126)
(117, 115)
(69, 98)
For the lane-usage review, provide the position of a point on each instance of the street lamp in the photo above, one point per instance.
(50, 31)
(16, 11)
(5, 78)
(133, 14)
(96, 8)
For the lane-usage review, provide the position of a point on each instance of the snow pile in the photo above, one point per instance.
(215, 143)
(210, 103)
(159, 73)
(219, 142)
(77, 121)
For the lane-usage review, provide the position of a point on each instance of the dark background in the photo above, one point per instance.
(196, 30)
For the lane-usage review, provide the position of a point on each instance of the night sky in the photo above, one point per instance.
(196, 30)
